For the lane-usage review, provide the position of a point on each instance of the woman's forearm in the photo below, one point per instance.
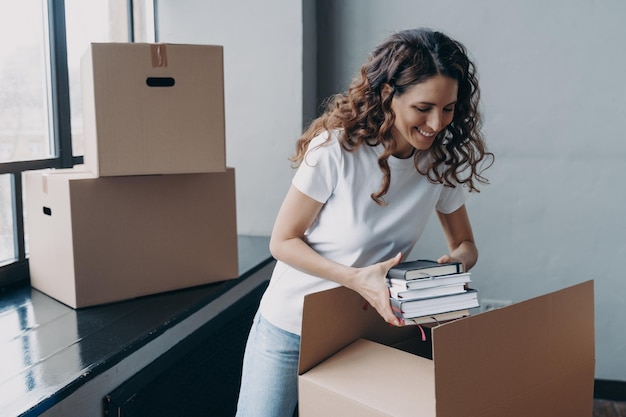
(368, 281)
(298, 254)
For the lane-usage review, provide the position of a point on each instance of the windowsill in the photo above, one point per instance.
(49, 350)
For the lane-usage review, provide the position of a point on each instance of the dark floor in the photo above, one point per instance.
(605, 408)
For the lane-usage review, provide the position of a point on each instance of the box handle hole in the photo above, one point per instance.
(47, 211)
(160, 81)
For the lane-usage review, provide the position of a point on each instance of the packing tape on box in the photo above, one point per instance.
(159, 55)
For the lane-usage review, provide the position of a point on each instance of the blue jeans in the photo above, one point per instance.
(269, 381)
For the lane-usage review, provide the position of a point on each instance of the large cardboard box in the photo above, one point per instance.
(533, 358)
(98, 240)
(153, 108)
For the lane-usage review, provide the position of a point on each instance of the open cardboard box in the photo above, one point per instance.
(533, 358)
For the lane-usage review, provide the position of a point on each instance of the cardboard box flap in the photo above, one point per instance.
(542, 347)
(334, 318)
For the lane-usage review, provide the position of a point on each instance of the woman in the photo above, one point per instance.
(402, 142)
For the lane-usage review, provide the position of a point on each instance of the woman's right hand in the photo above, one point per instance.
(370, 283)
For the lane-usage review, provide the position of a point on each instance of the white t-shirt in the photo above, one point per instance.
(351, 228)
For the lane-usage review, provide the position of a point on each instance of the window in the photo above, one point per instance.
(40, 109)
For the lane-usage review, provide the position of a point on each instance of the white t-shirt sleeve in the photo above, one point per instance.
(451, 199)
(317, 174)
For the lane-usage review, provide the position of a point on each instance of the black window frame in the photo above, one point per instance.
(17, 272)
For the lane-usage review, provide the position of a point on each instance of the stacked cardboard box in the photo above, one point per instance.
(153, 208)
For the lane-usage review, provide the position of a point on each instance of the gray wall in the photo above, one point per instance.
(263, 91)
(553, 96)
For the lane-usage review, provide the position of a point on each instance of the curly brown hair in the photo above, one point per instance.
(363, 114)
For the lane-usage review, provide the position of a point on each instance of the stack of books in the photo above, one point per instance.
(425, 291)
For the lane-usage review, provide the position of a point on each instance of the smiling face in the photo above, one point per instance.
(422, 111)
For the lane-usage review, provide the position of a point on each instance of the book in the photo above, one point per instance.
(423, 268)
(435, 305)
(437, 318)
(402, 284)
(404, 294)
